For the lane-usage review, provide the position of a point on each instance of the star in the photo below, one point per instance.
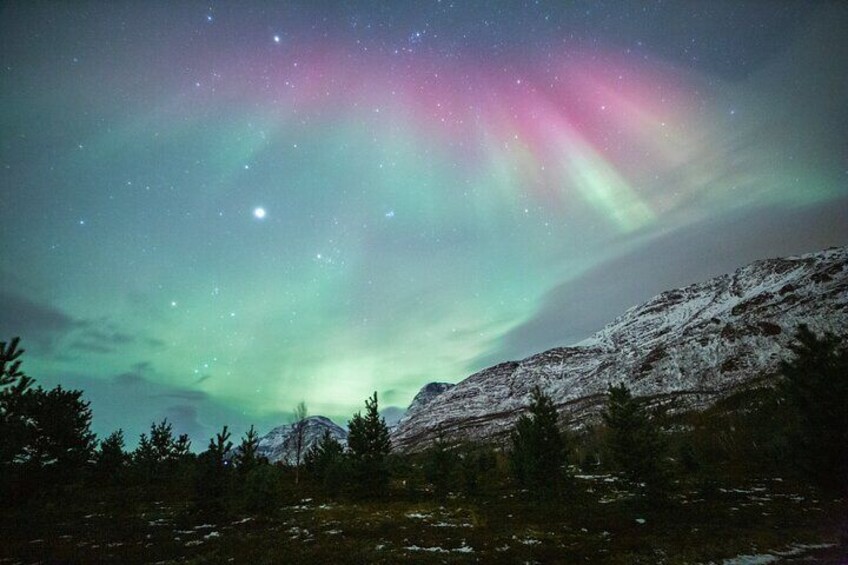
(276, 39)
(259, 213)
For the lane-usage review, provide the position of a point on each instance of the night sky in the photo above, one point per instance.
(212, 211)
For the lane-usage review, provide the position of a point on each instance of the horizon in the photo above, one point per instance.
(212, 213)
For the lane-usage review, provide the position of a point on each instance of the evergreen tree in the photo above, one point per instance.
(143, 459)
(325, 461)
(157, 457)
(247, 457)
(45, 435)
(111, 460)
(815, 388)
(213, 481)
(219, 446)
(538, 455)
(368, 441)
(440, 467)
(635, 442)
(15, 429)
(478, 468)
(166, 448)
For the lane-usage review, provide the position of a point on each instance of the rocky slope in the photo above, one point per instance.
(279, 443)
(424, 396)
(691, 345)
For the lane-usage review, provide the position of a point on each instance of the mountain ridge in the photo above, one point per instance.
(693, 344)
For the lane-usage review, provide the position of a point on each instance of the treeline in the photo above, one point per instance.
(796, 428)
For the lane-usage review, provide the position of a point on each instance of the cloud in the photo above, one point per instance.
(184, 419)
(41, 323)
(577, 308)
(139, 396)
(185, 394)
(45, 327)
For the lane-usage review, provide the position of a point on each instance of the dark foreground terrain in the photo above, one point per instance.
(755, 521)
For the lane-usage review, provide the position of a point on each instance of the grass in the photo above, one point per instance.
(598, 523)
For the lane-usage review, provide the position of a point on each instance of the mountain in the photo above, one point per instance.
(691, 345)
(278, 444)
(424, 396)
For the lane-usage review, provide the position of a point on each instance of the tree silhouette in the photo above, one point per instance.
(158, 455)
(111, 460)
(15, 430)
(815, 388)
(440, 466)
(213, 477)
(635, 442)
(369, 444)
(246, 457)
(298, 436)
(538, 447)
(45, 435)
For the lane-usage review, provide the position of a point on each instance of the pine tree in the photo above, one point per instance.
(246, 457)
(369, 444)
(539, 453)
(111, 460)
(815, 388)
(157, 457)
(213, 480)
(219, 446)
(635, 442)
(45, 435)
(15, 429)
(440, 466)
(325, 462)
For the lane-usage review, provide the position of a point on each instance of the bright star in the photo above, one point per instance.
(259, 212)
(276, 39)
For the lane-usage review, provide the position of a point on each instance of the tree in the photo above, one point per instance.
(111, 460)
(61, 443)
(369, 444)
(219, 446)
(246, 457)
(298, 437)
(325, 462)
(166, 448)
(635, 442)
(440, 466)
(15, 430)
(157, 456)
(815, 389)
(538, 455)
(45, 435)
(213, 479)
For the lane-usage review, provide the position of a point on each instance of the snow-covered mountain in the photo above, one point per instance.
(424, 396)
(692, 345)
(278, 445)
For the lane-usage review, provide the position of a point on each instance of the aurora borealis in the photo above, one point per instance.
(211, 211)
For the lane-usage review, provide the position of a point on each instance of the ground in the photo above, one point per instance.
(760, 521)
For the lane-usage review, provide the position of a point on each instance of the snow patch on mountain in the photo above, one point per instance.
(278, 445)
(424, 397)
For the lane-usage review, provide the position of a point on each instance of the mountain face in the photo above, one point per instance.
(691, 345)
(424, 396)
(278, 445)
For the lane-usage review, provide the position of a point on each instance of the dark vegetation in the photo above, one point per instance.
(763, 469)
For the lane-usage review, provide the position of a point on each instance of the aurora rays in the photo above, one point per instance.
(428, 187)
